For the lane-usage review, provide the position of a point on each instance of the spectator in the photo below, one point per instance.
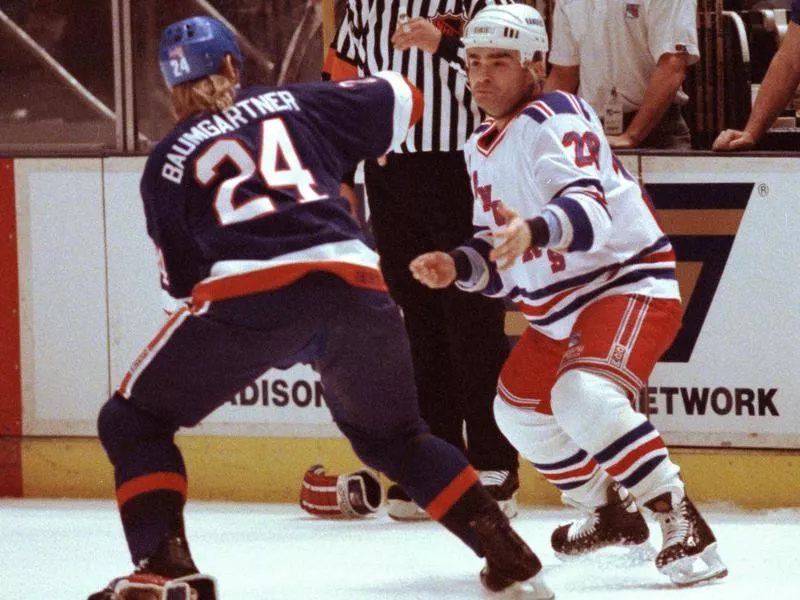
(241, 200)
(563, 230)
(628, 59)
(777, 89)
(420, 200)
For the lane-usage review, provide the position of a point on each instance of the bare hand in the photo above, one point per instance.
(435, 269)
(733, 139)
(514, 238)
(417, 32)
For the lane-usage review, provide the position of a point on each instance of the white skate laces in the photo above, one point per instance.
(675, 527)
(582, 528)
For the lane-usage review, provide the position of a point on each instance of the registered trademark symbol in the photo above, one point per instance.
(763, 190)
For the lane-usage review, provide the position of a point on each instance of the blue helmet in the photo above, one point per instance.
(194, 48)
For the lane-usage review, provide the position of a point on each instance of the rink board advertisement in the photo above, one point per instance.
(730, 379)
(89, 300)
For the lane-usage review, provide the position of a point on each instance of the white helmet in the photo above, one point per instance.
(512, 26)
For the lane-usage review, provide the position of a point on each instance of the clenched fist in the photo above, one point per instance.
(435, 269)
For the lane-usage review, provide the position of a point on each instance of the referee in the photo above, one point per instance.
(420, 200)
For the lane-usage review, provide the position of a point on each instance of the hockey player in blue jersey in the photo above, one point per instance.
(267, 268)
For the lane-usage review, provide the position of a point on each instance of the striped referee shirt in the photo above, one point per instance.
(362, 46)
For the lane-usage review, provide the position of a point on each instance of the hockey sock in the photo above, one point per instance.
(595, 412)
(149, 473)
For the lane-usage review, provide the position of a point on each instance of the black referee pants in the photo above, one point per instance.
(421, 202)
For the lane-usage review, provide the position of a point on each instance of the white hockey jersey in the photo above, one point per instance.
(554, 156)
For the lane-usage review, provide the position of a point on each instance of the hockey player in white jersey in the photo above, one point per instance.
(565, 232)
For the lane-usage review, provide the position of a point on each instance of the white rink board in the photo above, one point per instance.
(61, 254)
(71, 363)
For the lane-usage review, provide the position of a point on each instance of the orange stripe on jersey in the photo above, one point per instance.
(336, 68)
(262, 280)
(586, 469)
(152, 482)
(440, 505)
(634, 455)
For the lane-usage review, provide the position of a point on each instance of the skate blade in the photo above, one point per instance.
(534, 588)
(690, 570)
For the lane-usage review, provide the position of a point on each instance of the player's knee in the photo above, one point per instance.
(110, 424)
(374, 454)
(568, 392)
(121, 425)
(537, 436)
(581, 399)
(509, 421)
(389, 456)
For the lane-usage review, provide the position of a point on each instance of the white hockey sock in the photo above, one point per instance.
(542, 441)
(595, 412)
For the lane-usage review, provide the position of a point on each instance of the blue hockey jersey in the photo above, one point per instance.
(247, 199)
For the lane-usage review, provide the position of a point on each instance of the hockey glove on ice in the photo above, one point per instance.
(351, 496)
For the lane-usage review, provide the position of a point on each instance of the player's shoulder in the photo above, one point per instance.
(552, 104)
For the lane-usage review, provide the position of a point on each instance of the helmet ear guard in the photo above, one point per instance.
(195, 48)
(511, 26)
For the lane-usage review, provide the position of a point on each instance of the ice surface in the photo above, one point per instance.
(66, 549)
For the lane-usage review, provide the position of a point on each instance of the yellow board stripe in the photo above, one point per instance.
(271, 470)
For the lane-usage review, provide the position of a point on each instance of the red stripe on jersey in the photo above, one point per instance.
(665, 256)
(543, 108)
(270, 278)
(543, 309)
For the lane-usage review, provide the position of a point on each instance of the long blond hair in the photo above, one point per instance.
(212, 93)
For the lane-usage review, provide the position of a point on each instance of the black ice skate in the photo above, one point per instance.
(169, 574)
(617, 523)
(689, 549)
(502, 486)
(511, 566)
